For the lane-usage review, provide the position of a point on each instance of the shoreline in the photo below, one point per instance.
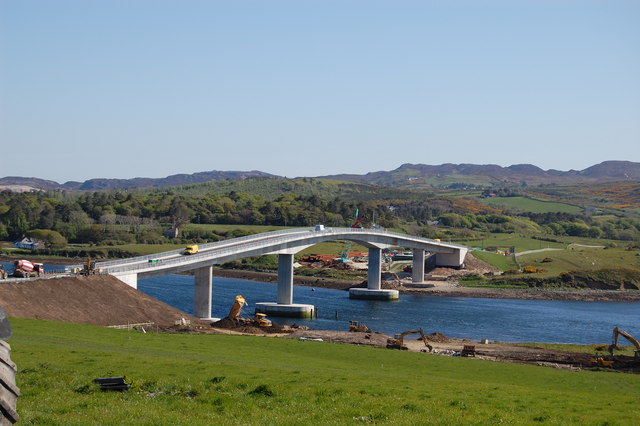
(446, 289)
(439, 289)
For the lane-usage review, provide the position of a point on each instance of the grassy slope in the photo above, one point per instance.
(581, 259)
(531, 205)
(210, 379)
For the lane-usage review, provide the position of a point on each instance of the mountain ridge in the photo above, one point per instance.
(406, 175)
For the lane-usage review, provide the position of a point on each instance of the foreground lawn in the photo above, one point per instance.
(218, 379)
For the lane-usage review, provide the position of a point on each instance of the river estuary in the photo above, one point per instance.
(506, 320)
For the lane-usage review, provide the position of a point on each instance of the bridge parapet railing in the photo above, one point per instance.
(209, 254)
(222, 248)
(206, 246)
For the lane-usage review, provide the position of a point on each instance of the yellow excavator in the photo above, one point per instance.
(397, 341)
(614, 342)
(259, 319)
(237, 307)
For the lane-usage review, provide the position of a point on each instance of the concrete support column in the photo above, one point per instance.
(375, 269)
(285, 279)
(417, 276)
(203, 292)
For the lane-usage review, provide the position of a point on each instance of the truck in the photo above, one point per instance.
(25, 269)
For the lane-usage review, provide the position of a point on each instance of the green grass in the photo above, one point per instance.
(226, 228)
(502, 262)
(580, 259)
(527, 204)
(589, 349)
(504, 241)
(143, 249)
(219, 379)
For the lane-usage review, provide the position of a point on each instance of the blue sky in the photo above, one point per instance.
(149, 88)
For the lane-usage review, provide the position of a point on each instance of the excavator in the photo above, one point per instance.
(397, 341)
(614, 342)
(237, 307)
(259, 319)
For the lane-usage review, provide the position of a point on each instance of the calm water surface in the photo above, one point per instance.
(506, 320)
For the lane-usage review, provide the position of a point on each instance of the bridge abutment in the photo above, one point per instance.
(130, 279)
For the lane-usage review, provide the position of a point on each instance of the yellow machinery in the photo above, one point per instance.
(261, 320)
(356, 326)
(237, 307)
(397, 341)
(600, 361)
(614, 342)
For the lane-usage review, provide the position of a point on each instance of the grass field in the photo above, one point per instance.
(504, 241)
(226, 228)
(526, 204)
(144, 249)
(183, 379)
(578, 258)
(502, 262)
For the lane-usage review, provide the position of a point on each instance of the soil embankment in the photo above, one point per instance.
(98, 300)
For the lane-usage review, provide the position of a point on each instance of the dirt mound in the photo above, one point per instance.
(471, 265)
(246, 325)
(99, 300)
(437, 337)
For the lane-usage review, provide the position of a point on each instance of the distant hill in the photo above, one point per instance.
(105, 184)
(419, 176)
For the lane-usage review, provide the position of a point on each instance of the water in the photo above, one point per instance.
(505, 320)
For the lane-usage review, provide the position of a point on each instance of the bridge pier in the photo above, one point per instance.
(203, 292)
(374, 281)
(417, 274)
(284, 307)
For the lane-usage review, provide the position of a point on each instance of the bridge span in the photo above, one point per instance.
(285, 244)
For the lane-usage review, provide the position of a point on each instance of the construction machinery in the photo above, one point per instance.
(89, 267)
(25, 269)
(358, 222)
(238, 304)
(598, 360)
(397, 341)
(614, 342)
(356, 326)
(261, 320)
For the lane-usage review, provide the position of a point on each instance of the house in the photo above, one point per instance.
(28, 243)
(171, 233)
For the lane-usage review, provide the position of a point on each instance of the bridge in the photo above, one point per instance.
(285, 244)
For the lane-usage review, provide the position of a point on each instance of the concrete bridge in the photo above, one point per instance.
(285, 244)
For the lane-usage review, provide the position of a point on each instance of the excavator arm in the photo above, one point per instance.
(237, 307)
(614, 341)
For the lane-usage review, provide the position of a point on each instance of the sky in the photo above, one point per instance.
(150, 88)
